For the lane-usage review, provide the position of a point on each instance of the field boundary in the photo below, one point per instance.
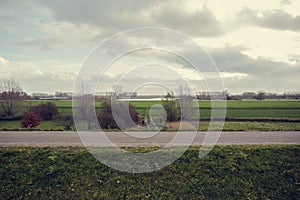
(230, 119)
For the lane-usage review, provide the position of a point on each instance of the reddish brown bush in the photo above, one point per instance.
(30, 120)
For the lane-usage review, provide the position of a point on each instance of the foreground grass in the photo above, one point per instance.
(231, 172)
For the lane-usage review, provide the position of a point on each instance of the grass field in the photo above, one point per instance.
(235, 109)
(242, 109)
(231, 172)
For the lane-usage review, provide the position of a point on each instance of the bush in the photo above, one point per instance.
(30, 120)
(108, 120)
(46, 110)
(68, 122)
(171, 110)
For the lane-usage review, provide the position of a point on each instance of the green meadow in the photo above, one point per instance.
(244, 115)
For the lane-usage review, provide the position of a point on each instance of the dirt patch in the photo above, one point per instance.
(180, 126)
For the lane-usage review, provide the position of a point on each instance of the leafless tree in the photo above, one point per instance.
(261, 95)
(84, 103)
(10, 97)
(117, 90)
(185, 99)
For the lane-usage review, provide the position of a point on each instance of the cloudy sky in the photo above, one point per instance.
(255, 45)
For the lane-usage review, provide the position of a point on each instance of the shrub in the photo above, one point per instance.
(46, 110)
(68, 121)
(120, 119)
(171, 110)
(30, 120)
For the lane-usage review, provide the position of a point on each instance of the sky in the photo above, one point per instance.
(254, 44)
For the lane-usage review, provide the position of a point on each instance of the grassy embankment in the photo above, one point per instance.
(231, 172)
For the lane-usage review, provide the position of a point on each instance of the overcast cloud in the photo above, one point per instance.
(255, 45)
(274, 19)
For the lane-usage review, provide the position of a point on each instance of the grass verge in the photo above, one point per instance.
(57, 125)
(231, 172)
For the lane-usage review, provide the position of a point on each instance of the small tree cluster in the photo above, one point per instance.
(10, 97)
(120, 120)
(30, 120)
(46, 110)
(170, 107)
(260, 95)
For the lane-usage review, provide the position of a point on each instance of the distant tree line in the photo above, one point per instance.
(12, 96)
(260, 95)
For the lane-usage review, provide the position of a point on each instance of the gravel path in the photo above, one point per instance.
(43, 138)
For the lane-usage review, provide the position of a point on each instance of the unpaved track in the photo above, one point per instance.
(53, 139)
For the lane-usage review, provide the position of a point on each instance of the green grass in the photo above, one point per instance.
(235, 109)
(254, 126)
(203, 126)
(231, 172)
(240, 109)
(45, 125)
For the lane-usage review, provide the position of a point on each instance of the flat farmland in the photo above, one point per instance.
(234, 109)
(240, 109)
(240, 115)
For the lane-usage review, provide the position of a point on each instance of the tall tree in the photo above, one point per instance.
(10, 97)
(84, 103)
(185, 100)
(118, 90)
(261, 95)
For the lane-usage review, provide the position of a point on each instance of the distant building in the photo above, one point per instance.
(105, 95)
(248, 94)
(63, 94)
(211, 95)
(40, 94)
(113, 95)
(127, 95)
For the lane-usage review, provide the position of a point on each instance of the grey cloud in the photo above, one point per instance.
(122, 15)
(46, 43)
(45, 83)
(294, 58)
(272, 19)
(110, 14)
(262, 73)
(232, 59)
(285, 2)
(197, 23)
(7, 23)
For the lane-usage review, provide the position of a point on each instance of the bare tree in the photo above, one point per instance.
(118, 90)
(10, 97)
(186, 102)
(261, 95)
(84, 105)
